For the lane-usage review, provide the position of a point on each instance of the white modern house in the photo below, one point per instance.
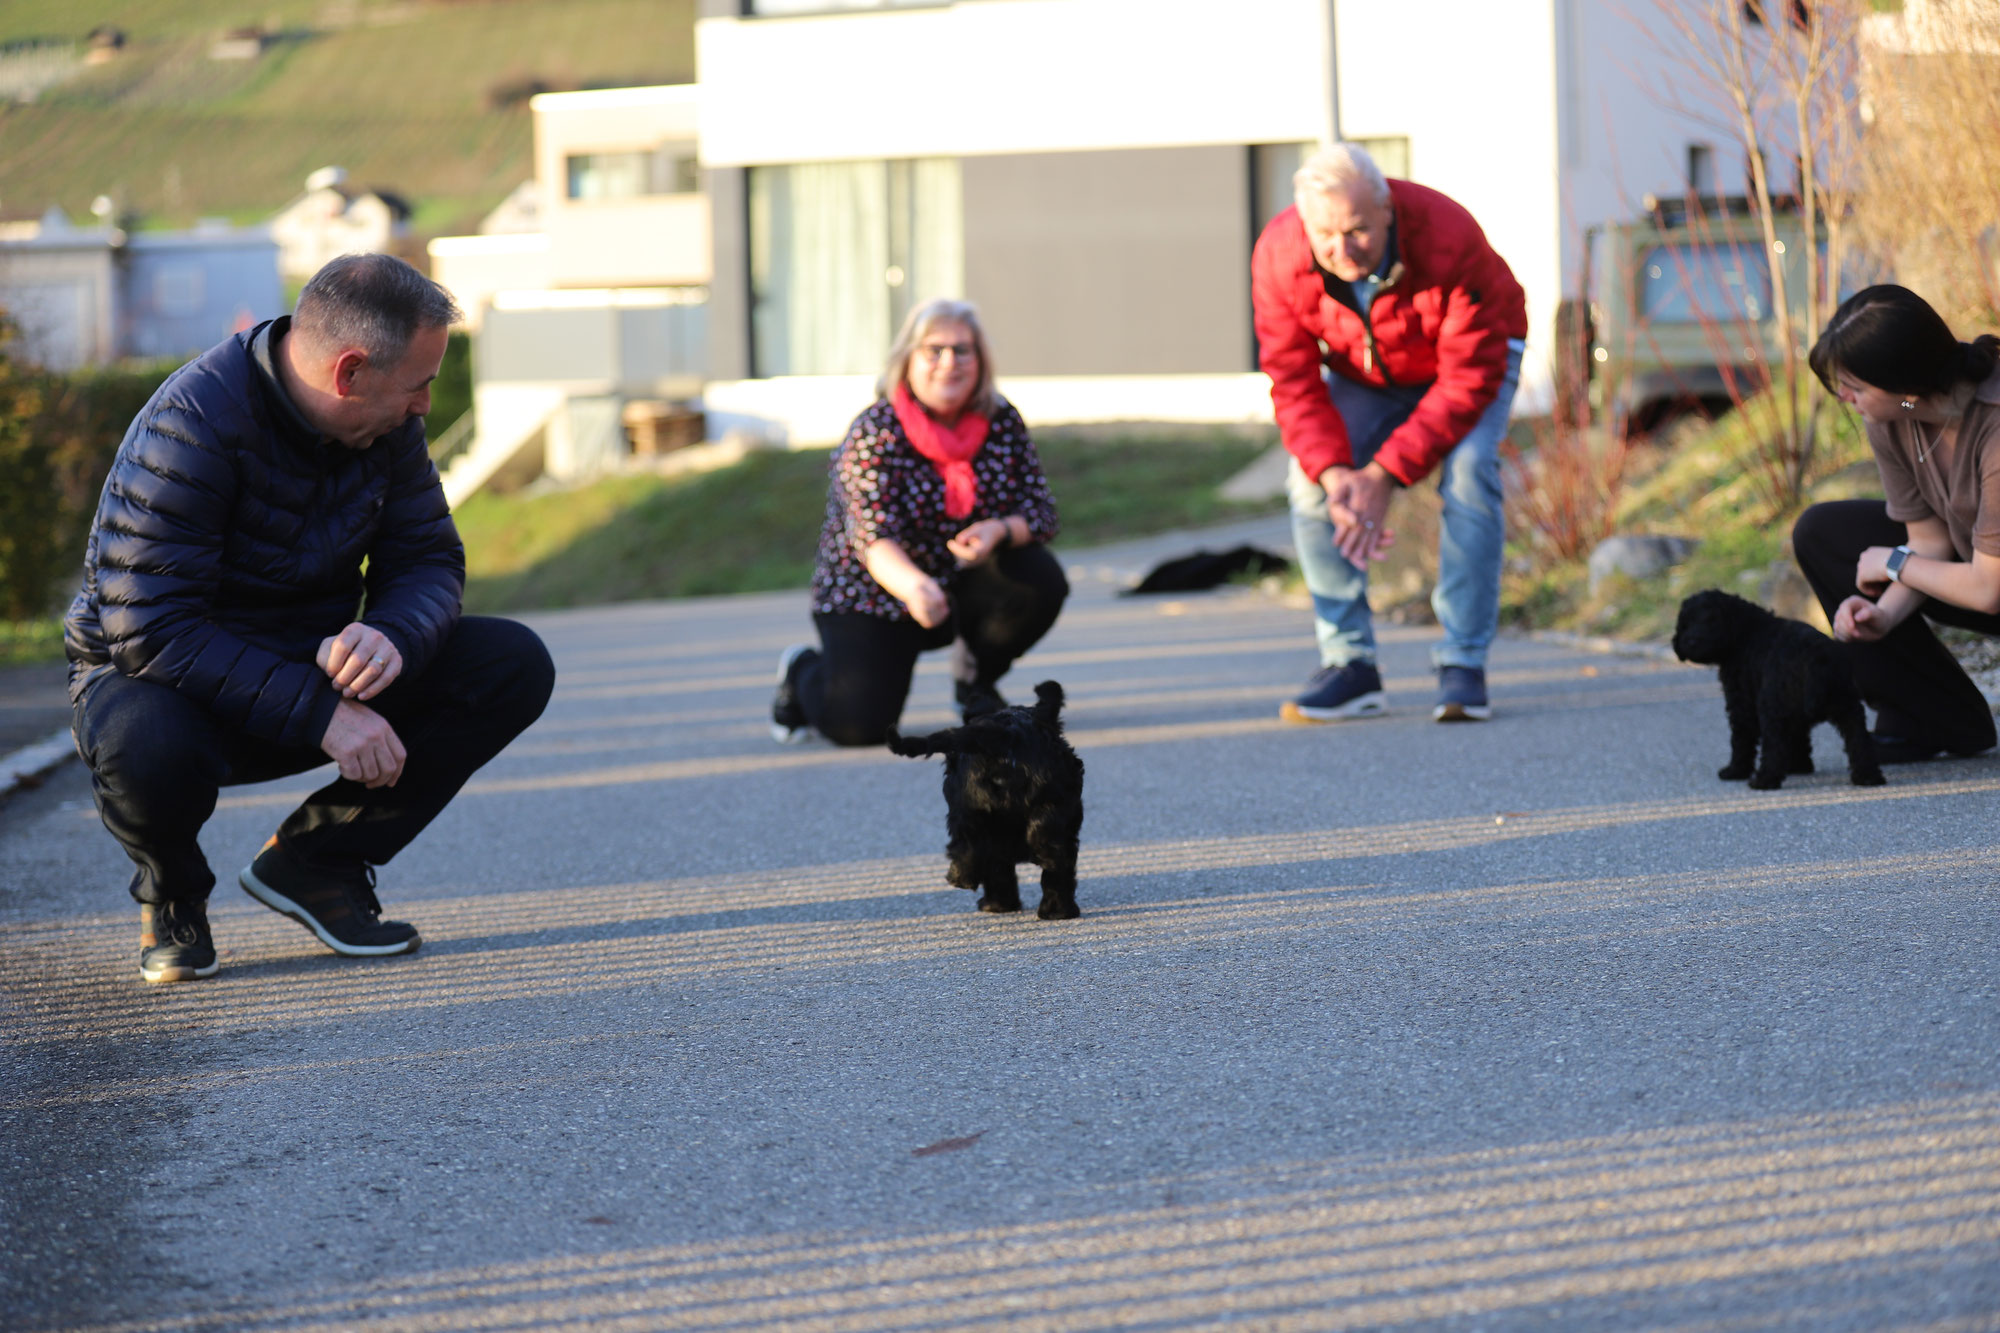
(1093, 173)
(603, 303)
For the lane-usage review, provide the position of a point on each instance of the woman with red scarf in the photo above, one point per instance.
(936, 521)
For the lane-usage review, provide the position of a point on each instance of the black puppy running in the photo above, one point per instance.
(1779, 678)
(1013, 792)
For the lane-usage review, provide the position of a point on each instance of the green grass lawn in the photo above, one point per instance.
(401, 94)
(754, 526)
(25, 641)
(1697, 481)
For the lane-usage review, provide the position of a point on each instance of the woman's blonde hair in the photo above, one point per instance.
(921, 321)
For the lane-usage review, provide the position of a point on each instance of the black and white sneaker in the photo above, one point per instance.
(788, 714)
(174, 943)
(335, 903)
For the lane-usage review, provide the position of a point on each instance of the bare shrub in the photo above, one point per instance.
(1931, 90)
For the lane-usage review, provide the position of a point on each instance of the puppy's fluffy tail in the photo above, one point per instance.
(922, 747)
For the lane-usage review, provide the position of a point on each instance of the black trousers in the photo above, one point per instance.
(999, 610)
(1917, 689)
(157, 759)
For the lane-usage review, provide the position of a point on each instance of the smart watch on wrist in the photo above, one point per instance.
(1897, 559)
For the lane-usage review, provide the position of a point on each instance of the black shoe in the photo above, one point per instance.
(174, 944)
(788, 715)
(335, 903)
(1902, 749)
(976, 699)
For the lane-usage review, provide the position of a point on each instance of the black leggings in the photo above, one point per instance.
(1916, 687)
(999, 610)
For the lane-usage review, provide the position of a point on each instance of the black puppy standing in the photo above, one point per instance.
(1013, 792)
(1779, 678)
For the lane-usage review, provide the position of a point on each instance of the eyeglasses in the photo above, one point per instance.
(934, 352)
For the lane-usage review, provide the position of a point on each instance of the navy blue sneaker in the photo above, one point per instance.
(1461, 695)
(1354, 690)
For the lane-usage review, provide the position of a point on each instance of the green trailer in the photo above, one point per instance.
(1679, 311)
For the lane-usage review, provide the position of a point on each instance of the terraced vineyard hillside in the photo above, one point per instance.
(425, 97)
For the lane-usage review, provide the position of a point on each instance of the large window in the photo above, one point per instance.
(841, 251)
(1686, 283)
(668, 169)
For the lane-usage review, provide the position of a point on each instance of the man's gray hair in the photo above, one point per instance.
(373, 302)
(920, 321)
(1335, 169)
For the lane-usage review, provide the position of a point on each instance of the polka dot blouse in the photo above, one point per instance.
(882, 487)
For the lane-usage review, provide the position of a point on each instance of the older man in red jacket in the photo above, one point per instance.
(1392, 333)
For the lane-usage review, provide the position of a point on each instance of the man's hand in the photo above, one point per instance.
(360, 660)
(1859, 620)
(365, 746)
(1357, 501)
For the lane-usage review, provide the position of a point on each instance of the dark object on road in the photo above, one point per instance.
(1208, 569)
(1779, 678)
(1013, 792)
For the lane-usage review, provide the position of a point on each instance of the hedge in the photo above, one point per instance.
(58, 433)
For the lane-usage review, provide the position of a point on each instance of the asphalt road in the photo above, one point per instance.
(1531, 1024)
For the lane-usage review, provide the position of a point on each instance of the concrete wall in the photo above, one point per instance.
(185, 292)
(475, 268)
(1112, 263)
(62, 297)
(1019, 76)
(625, 342)
(651, 240)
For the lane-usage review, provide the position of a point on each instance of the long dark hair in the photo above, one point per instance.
(1889, 337)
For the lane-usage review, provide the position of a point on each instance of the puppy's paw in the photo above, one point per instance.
(1766, 781)
(1804, 765)
(991, 902)
(1867, 777)
(1058, 910)
(1733, 773)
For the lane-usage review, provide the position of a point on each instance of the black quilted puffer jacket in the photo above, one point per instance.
(229, 543)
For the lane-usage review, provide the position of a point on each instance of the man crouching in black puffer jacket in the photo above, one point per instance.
(226, 632)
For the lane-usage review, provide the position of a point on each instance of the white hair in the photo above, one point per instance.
(1335, 169)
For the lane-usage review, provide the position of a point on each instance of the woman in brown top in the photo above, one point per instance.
(937, 520)
(1932, 408)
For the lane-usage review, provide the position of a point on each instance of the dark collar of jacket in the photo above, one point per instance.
(263, 347)
(1391, 269)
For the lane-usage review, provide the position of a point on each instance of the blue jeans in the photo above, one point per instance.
(1467, 596)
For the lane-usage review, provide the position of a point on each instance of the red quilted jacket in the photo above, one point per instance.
(1443, 319)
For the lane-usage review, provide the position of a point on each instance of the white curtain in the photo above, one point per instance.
(839, 251)
(936, 260)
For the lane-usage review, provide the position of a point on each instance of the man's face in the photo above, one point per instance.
(377, 400)
(1348, 231)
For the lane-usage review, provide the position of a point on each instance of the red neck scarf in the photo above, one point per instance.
(950, 448)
